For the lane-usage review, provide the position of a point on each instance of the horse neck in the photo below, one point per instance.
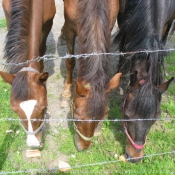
(139, 32)
(23, 38)
(94, 36)
(35, 33)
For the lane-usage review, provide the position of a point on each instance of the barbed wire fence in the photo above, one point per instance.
(89, 120)
(46, 170)
(55, 57)
(51, 57)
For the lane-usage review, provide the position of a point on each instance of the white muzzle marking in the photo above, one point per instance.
(28, 107)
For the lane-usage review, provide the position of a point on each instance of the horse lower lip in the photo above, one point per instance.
(127, 156)
(132, 159)
(76, 142)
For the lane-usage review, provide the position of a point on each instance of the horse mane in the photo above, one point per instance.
(16, 46)
(145, 103)
(94, 36)
(123, 5)
(138, 32)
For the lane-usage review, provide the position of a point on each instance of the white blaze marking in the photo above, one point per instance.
(28, 107)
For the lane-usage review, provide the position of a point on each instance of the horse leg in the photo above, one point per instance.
(7, 7)
(46, 29)
(166, 30)
(62, 33)
(70, 64)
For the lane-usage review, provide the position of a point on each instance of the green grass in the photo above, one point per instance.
(169, 107)
(2, 22)
(58, 76)
(170, 71)
(112, 141)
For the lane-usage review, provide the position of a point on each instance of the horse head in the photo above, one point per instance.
(80, 111)
(29, 101)
(142, 102)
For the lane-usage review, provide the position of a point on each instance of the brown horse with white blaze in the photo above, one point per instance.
(29, 23)
(92, 22)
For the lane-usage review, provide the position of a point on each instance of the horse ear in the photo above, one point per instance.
(80, 89)
(114, 82)
(163, 87)
(8, 78)
(42, 77)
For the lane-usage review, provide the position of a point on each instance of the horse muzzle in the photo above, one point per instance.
(133, 159)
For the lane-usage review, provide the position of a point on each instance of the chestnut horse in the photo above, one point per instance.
(92, 21)
(144, 25)
(29, 23)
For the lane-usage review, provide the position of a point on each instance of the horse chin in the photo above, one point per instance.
(132, 159)
(80, 144)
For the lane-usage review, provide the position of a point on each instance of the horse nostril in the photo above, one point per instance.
(76, 142)
(132, 159)
(128, 157)
(80, 144)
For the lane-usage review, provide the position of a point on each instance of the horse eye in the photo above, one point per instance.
(126, 117)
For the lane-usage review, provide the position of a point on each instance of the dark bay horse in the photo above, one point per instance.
(29, 23)
(144, 25)
(92, 21)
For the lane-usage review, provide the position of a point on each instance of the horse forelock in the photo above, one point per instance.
(146, 102)
(17, 37)
(98, 80)
(94, 36)
(20, 88)
(97, 101)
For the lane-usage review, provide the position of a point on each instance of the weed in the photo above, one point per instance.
(2, 22)
(59, 76)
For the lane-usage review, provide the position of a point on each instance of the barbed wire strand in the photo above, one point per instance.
(85, 165)
(89, 120)
(54, 57)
